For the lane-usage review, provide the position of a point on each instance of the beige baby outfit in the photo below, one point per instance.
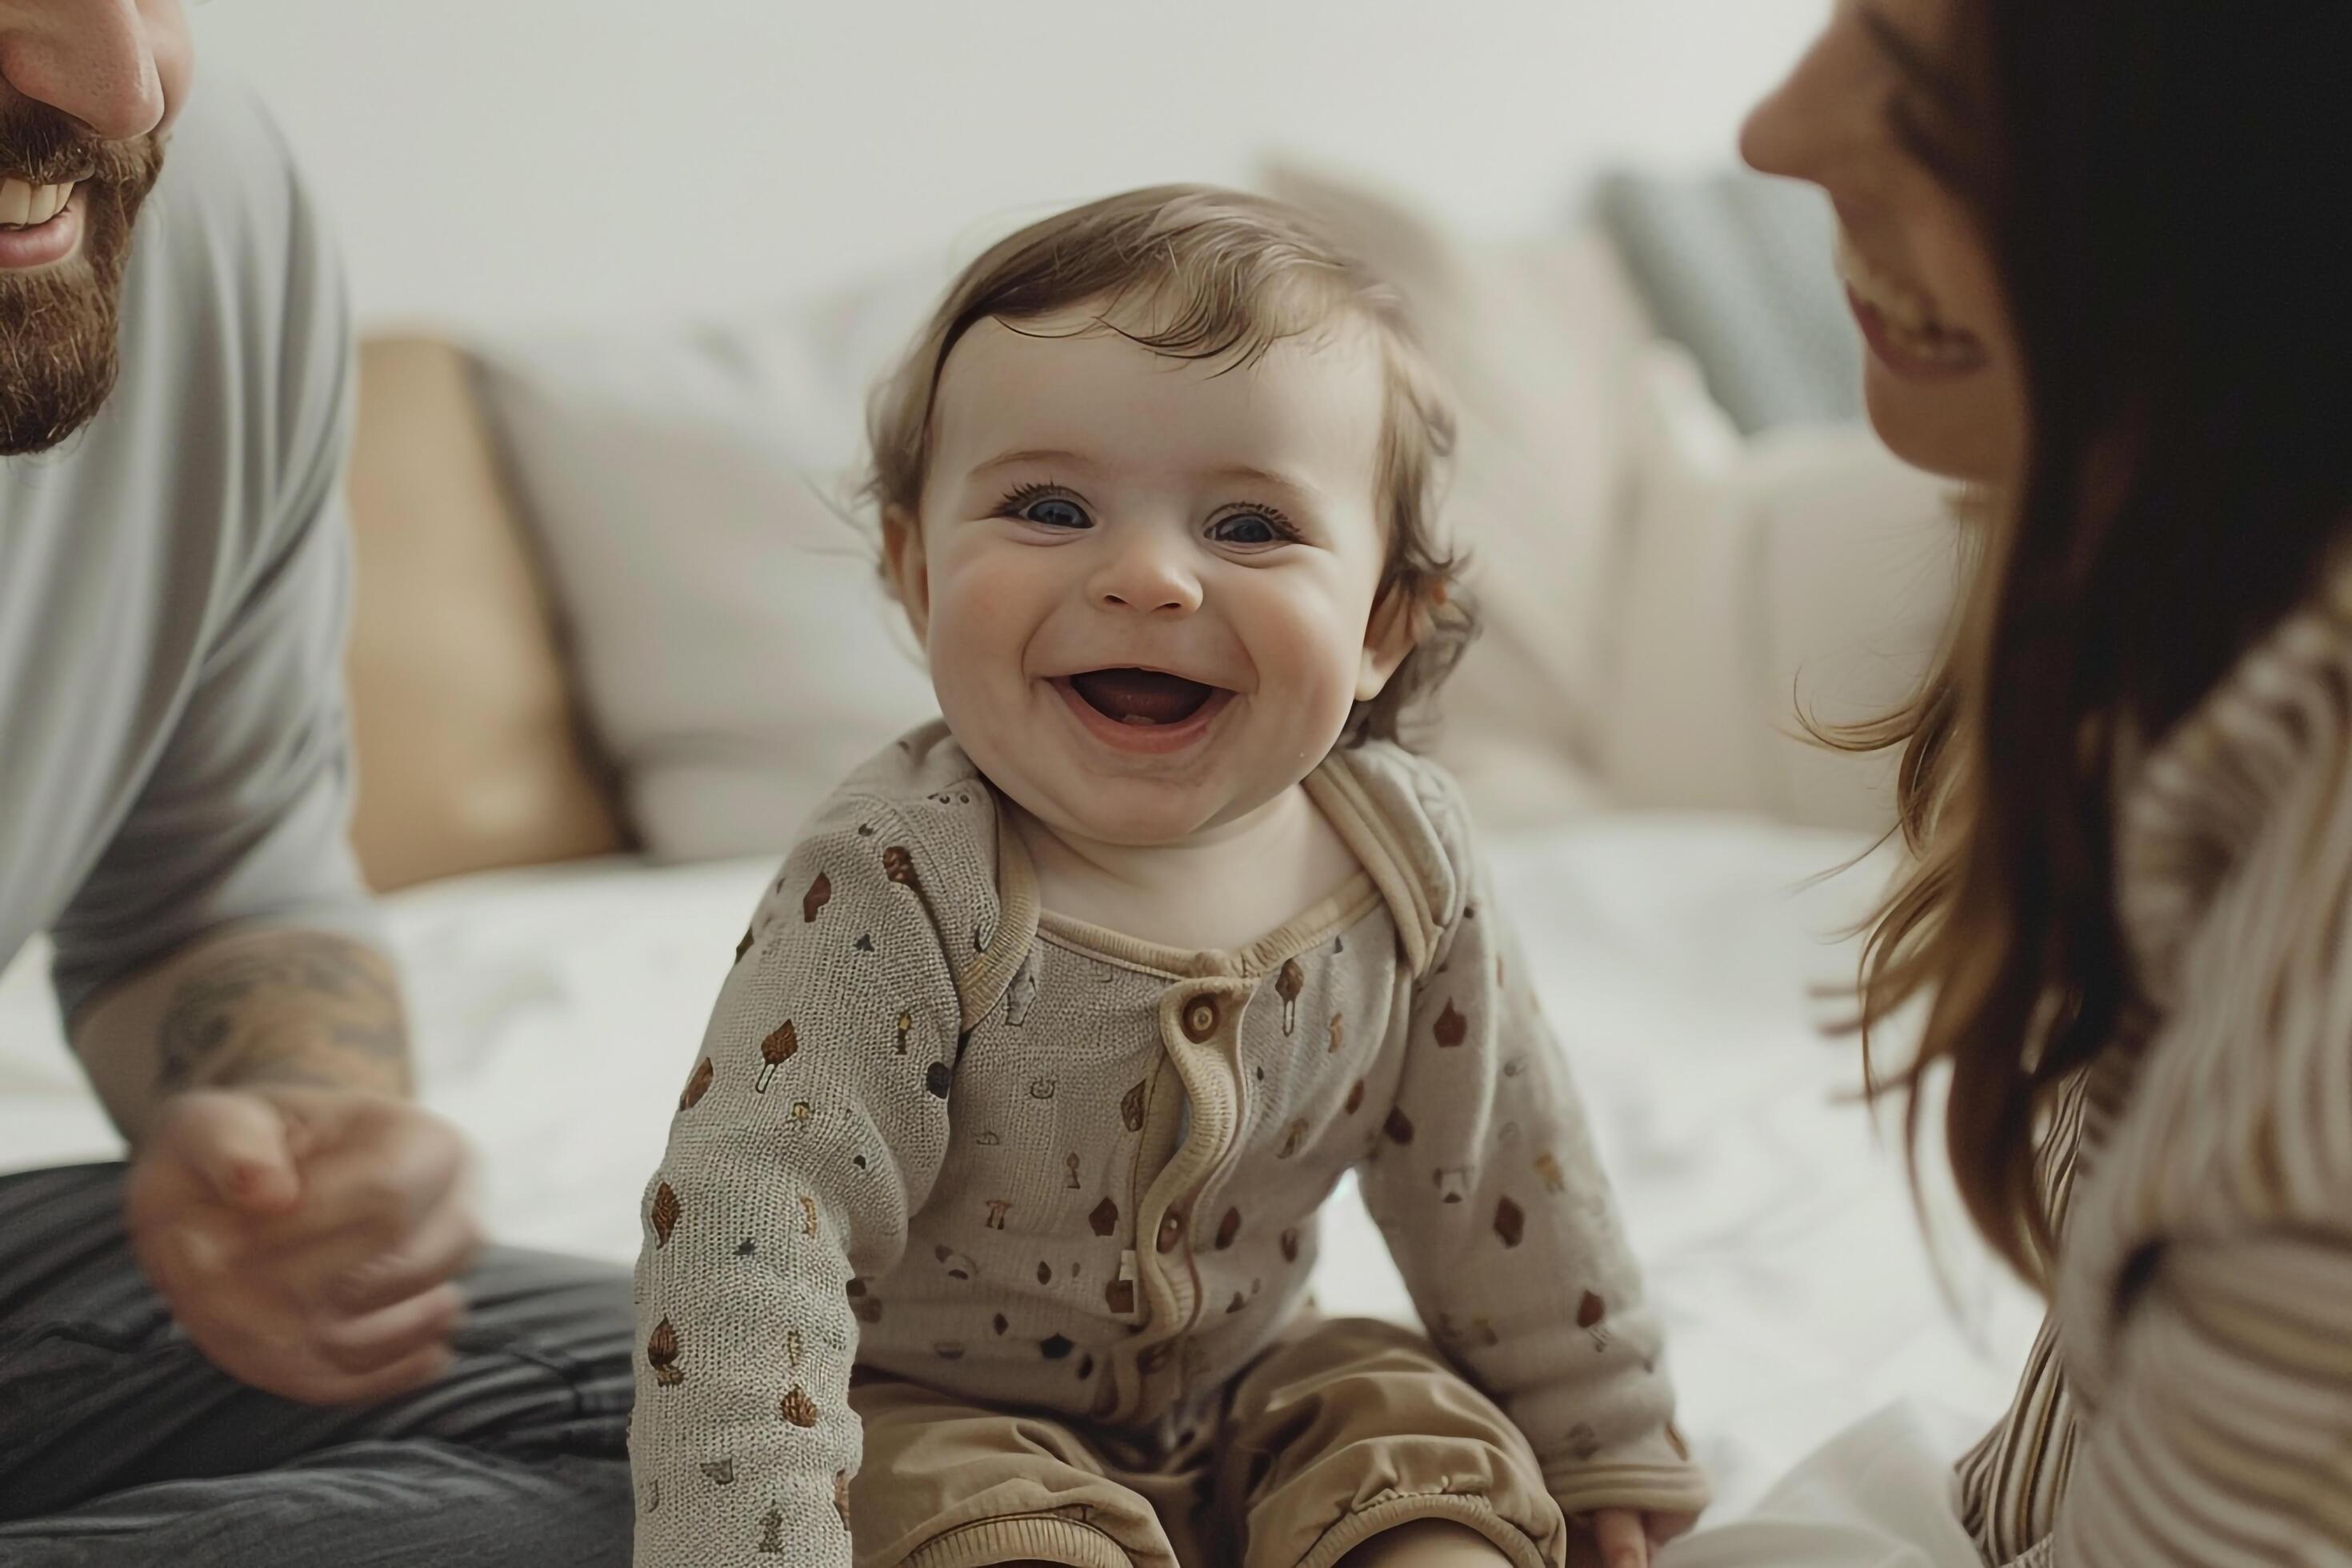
(1052, 1191)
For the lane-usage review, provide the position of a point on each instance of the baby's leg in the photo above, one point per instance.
(1366, 1424)
(950, 1485)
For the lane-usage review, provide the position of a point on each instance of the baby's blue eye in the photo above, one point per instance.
(1247, 528)
(1054, 511)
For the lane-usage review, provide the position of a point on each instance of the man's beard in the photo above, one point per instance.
(59, 326)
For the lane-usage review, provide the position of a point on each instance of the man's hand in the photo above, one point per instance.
(1620, 1538)
(306, 1239)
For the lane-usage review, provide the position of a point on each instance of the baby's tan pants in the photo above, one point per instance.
(1343, 1430)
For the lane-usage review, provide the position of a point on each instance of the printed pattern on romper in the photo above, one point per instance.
(1487, 1170)
(1013, 1286)
(779, 1188)
(848, 1178)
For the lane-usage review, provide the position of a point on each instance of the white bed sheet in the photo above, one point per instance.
(557, 1010)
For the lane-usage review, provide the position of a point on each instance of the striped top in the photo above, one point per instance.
(2190, 1399)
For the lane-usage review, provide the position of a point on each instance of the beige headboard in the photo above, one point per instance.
(470, 756)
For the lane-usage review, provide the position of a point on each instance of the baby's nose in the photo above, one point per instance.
(1147, 580)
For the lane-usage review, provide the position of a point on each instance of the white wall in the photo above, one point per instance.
(495, 161)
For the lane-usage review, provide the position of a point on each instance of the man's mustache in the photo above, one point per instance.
(42, 147)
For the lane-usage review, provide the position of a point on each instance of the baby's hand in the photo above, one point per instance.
(1620, 1538)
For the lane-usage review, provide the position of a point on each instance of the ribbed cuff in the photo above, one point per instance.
(1464, 1509)
(1025, 1538)
(1646, 1488)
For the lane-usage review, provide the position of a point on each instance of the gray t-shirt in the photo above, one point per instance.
(173, 581)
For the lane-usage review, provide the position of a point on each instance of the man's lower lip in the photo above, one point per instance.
(27, 249)
(1910, 367)
(1150, 740)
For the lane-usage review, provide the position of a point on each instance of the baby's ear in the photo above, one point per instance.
(904, 564)
(1401, 618)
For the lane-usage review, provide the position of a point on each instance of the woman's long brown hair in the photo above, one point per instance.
(2164, 239)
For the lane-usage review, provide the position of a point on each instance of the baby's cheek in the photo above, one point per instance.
(1309, 651)
(975, 645)
(984, 608)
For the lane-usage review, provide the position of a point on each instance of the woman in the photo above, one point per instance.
(2085, 239)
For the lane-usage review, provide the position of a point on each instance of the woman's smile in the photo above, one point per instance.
(1903, 324)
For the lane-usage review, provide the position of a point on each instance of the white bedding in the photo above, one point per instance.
(557, 1011)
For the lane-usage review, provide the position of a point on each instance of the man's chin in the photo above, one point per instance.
(64, 353)
(61, 325)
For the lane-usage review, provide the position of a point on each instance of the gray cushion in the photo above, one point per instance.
(1738, 269)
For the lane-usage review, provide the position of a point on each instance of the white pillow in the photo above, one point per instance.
(735, 652)
(1807, 572)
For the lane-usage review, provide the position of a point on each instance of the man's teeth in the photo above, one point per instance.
(27, 205)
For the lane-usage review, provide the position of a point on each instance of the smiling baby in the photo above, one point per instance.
(988, 1215)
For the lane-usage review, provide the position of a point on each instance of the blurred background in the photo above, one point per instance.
(505, 161)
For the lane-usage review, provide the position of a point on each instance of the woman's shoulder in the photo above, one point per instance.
(2234, 887)
(2223, 809)
(2217, 1135)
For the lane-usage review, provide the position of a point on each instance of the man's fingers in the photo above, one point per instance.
(431, 1255)
(1622, 1539)
(237, 1144)
(368, 1344)
(386, 1178)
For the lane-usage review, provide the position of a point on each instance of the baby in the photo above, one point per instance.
(1001, 1159)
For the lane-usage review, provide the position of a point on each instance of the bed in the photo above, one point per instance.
(561, 900)
(555, 1005)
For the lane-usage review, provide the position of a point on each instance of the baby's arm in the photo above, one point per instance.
(811, 1125)
(1496, 1208)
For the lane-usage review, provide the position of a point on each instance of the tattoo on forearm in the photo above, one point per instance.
(291, 1007)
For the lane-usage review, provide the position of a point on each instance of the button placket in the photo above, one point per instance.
(1194, 1022)
(1208, 1193)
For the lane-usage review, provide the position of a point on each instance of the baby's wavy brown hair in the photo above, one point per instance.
(1219, 275)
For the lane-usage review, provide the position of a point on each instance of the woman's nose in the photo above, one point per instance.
(91, 59)
(1147, 576)
(1796, 130)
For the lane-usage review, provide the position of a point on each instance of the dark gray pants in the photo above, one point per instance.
(121, 1446)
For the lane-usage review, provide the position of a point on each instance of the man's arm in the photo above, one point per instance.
(237, 839)
(303, 1220)
(247, 1008)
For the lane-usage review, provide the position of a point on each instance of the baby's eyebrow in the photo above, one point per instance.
(1226, 473)
(1028, 454)
(1250, 474)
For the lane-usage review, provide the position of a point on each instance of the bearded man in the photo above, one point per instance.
(271, 1337)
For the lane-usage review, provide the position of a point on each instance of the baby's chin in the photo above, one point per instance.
(1133, 814)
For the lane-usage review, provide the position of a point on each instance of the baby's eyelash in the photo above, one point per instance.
(1021, 495)
(1272, 514)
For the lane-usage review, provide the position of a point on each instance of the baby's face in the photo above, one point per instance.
(1147, 585)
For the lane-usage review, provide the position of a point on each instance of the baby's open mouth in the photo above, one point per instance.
(1146, 698)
